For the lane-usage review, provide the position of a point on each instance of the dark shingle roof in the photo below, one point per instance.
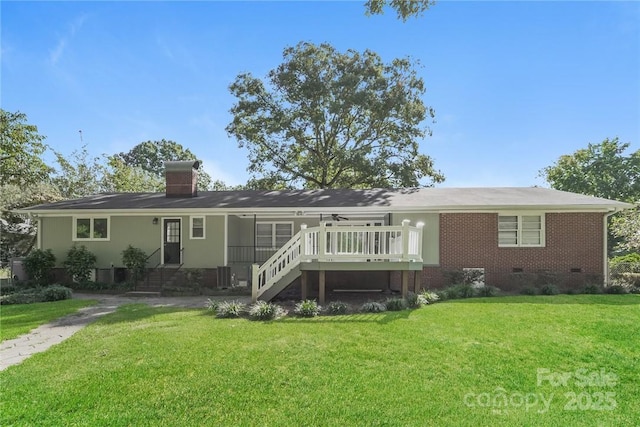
(427, 198)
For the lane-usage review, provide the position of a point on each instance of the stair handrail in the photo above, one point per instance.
(280, 263)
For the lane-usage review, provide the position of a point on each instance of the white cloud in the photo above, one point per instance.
(56, 53)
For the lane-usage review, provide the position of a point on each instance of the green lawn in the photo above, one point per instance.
(452, 363)
(21, 318)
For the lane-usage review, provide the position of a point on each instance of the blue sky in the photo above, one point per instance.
(514, 84)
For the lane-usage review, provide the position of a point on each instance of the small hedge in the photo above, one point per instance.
(307, 308)
(33, 295)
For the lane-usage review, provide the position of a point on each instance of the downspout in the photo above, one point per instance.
(255, 238)
(605, 239)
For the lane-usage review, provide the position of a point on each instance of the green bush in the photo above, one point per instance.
(39, 264)
(135, 260)
(429, 296)
(632, 257)
(373, 307)
(228, 309)
(549, 289)
(262, 310)
(212, 305)
(529, 290)
(8, 289)
(415, 300)
(33, 295)
(463, 290)
(395, 304)
(307, 308)
(487, 291)
(592, 289)
(79, 263)
(615, 289)
(55, 293)
(337, 307)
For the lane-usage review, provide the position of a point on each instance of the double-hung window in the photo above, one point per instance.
(521, 230)
(197, 227)
(273, 234)
(90, 228)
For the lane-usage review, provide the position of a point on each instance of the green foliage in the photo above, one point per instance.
(337, 307)
(462, 290)
(124, 178)
(307, 308)
(429, 296)
(79, 174)
(212, 305)
(373, 307)
(229, 309)
(529, 290)
(39, 264)
(326, 119)
(549, 289)
(487, 291)
(262, 310)
(615, 289)
(626, 227)
(79, 263)
(21, 148)
(33, 295)
(592, 289)
(395, 304)
(149, 157)
(404, 8)
(630, 258)
(414, 300)
(135, 260)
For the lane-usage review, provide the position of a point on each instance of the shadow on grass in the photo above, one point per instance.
(135, 312)
(629, 299)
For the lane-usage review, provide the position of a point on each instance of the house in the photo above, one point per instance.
(321, 241)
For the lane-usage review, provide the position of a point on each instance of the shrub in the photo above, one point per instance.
(442, 294)
(135, 260)
(373, 307)
(463, 290)
(211, 305)
(549, 289)
(39, 264)
(631, 258)
(262, 310)
(415, 300)
(487, 291)
(591, 289)
(79, 263)
(337, 307)
(615, 289)
(429, 296)
(55, 293)
(8, 289)
(228, 309)
(307, 308)
(529, 290)
(395, 304)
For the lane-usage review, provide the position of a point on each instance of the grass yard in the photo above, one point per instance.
(19, 319)
(466, 362)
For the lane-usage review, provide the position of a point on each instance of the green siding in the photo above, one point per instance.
(430, 233)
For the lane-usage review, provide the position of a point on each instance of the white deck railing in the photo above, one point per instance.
(340, 244)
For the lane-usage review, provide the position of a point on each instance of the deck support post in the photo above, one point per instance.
(417, 281)
(321, 286)
(405, 283)
(304, 285)
(254, 282)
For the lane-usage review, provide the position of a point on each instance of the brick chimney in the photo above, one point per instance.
(181, 178)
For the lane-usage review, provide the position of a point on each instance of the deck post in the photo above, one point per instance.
(303, 242)
(304, 285)
(321, 287)
(254, 282)
(405, 239)
(417, 282)
(405, 283)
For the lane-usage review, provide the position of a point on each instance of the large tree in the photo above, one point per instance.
(79, 174)
(21, 148)
(602, 170)
(326, 119)
(151, 155)
(404, 8)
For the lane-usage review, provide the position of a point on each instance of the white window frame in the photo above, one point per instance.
(273, 232)
(204, 227)
(92, 218)
(519, 230)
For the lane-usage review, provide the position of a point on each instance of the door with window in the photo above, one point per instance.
(171, 240)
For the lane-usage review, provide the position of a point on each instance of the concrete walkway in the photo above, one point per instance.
(14, 351)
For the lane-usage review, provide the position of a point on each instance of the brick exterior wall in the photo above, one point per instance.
(573, 241)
